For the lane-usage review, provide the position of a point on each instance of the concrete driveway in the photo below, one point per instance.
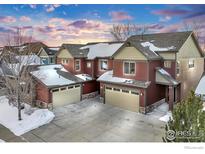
(93, 121)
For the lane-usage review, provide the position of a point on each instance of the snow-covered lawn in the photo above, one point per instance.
(1, 140)
(31, 117)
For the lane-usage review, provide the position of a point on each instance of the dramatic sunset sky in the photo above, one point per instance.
(57, 24)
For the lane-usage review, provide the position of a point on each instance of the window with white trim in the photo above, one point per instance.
(178, 68)
(191, 63)
(103, 64)
(88, 64)
(167, 64)
(77, 65)
(129, 68)
(64, 61)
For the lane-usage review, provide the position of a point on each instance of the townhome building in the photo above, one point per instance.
(88, 62)
(151, 69)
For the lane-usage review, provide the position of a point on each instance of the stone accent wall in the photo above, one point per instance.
(90, 95)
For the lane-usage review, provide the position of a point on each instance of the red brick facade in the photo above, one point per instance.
(141, 71)
(43, 94)
(89, 87)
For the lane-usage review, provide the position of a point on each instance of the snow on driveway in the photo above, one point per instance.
(1, 140)
(162, 113)
(9, 117)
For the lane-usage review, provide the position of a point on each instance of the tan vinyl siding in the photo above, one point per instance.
(160, 79)
(130, 53)
(188, 50)
(167, 55)
(43, 53)
(189, 77)
(64, 54)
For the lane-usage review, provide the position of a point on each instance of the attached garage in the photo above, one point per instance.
(123, 98)
(55, 86)
(66, 95)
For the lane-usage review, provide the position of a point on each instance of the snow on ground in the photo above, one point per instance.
(200, 89)
(30, 121)
(102, 49)
(49, 76)
(1, 140)
(153, 48)
(166, 117)
(161, 113)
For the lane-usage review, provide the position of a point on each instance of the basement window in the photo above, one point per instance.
(191, 63)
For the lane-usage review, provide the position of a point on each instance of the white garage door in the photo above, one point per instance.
(66, 95)
(123, 98)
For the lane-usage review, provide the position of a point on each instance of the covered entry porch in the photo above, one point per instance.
(172, 87)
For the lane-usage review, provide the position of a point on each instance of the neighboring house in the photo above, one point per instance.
(48, 55)
(91, 59)
(200, 89)
(152, 68)
(55, 86)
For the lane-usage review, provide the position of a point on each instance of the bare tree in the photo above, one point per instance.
(15, 61)
(121, 32)
(194, 26)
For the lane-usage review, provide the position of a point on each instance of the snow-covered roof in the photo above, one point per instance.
(84, 77)
(152, 44)
(108, 77)
(101, 49)
(200, 89)
(153, 48)
(169, 79)
(54, 75)
(23, 60)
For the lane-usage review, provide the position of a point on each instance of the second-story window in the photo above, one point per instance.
(178, 68)
(129, 68)
(64, 61)
(167, 64)
(103, 64)
(88, 64)
(77, 65)
(191, 63)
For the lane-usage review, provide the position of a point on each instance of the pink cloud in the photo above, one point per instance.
(51, 7)
(120, 16)
(170, 12)
(25, 19)
(7, 19)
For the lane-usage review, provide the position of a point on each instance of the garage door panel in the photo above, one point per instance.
(123, 100)
(65, 97)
